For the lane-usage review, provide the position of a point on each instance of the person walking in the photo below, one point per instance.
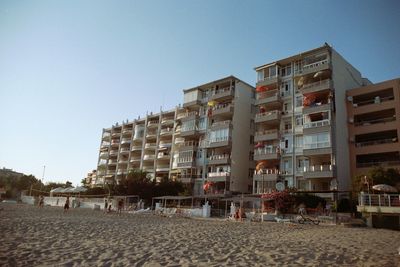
(120, 206)
(66, 205)
(41, 201)
(105, 205)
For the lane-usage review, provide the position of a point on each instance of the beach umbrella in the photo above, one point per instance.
(384, 188)
(80, 189)
(261, 165)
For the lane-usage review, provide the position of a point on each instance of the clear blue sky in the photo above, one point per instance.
(70, 68)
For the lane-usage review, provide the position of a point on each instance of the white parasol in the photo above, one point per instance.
(384, 188)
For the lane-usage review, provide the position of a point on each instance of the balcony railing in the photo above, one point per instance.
(316, 84)
(149, 157)
(187, 114)
(125, 141)
(219, 174)
(369, 122)
(152, 123)
(267, 171)
(151, 134)
(166, 131)
(222, 90)
(318, 168)
(189, 143)
(377, 142)
(314, 124)
(167, 120)
(266, 150)
(219, 157)
(133, 148)
(267, 94)
(124, 149)
(112, 161)
(314, 65)
(260, 133)
(164, 144)
(123, 161)
(265, 114)
(317, 145)
(115, 143)
(375, 100)
(179, 140)
(150, 145)
(219, 139)
(163, 155)
(133, 159)
(221, 123)
(386, 200)
(378, 163)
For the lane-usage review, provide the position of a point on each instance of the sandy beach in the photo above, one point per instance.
(46, 237)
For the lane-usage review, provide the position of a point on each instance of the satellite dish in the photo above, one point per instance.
(334, 184)
(280, 186)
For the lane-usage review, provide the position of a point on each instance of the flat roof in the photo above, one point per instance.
(216, 81)
(291, 58)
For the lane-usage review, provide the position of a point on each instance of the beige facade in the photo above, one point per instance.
(300, 120)
(214, 147)
(204, 141)
(373, 126)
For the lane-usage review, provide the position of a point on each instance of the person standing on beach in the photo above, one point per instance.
(105, 205)
(41, 201)
(120, 205)
(66, 206)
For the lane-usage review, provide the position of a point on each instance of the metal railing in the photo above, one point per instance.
(315, 84)
(382, 120)
(314, 65)
(267, 94)
(268, 113)
(318, 168)
(266, 171)
(219, 174)
(222, 90)
(377, 142)
(314, 124)
(275, 131)
(379, 200)
(266, 150)
(317, 145)
(375, 100)
(377, 163)
(219, 157)
(219, 139)
(221, 123)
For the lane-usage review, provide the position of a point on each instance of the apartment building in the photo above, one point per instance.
(373, 126)
(301, 138)
(213, 149)
(144, 143)
(91, 179)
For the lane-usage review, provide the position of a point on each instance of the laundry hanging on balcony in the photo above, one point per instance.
(261, 165)
(260, 89)
(259, 145)
(207, 185)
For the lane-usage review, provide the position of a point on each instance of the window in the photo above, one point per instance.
(190, 96)
(286, 70)
(219, 135)
(286, 88)
(299, 120)
(319, 140)
(202, 123)
(299, 101)
(188, 125)
(299, 141)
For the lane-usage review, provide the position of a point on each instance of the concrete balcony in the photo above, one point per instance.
(149, 157)
(219, 142)
(266, 135)
(124, 150)
(162, 168)
(148, 168)
(266, 153)
(167, 121)
(106, 136)
(268, 97)
(315, 67)
(125, 141)
(221, 125)
(112, 162)
(218, 176)
(150, 146)
(136, 148)
(269, 116)
(163, 155)
(188, 115)
(268, 81)
(165, 144)
(113, 152)
(320, 148)
(185, 163)
(384, 124)
(319, 171)
(135, 159)
(194, 102)
(166, 131)
(225, 110)
(266, 175)
(104, 155)
(123, 161)
(218, 159)
(115, 143)
(316, 126)
(223, 93)
(188, 145)
(189, 131)
(152, 124)
(110, 172)
(317, 86)
(317, 107)
(127, 132)
(118, 134)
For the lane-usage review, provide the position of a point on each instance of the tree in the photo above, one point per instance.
(376, 175)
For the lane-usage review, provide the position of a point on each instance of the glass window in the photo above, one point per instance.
(190, 96)
(299, 101)
(260, 75)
